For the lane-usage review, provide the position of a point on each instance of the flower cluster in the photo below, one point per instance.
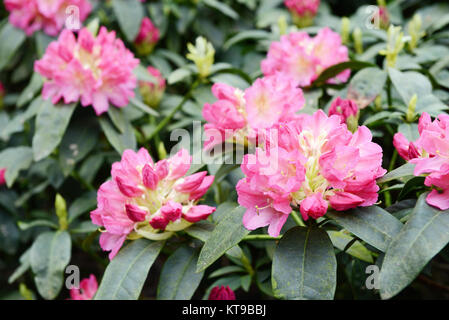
(50, 16)
(303, 11)
(147, 37)
(150, 200)
(304, 58)
(96, 70)
(312, 162)
(86, 291)
(152, 92)
(238, 115)
(430, 154)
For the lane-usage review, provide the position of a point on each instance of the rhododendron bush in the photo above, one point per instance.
(221, 150)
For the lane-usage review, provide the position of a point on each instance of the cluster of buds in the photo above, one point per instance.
(150, 200)
(152, 92)
(303, 11)
(147, 37)
(395, 44)
(414, 30)
(221, 293)
(202, 54)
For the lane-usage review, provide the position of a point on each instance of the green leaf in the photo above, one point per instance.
(15, 159)
(340, 240)
(79, 139)
(226, 270)
(11, 39)
(200, 230)
(17, 123)
(366, 85)
(222, 7)
(405, 170)
(51, 123)
(371, 224)
(129, 14)
(409, 83)
(126, 273)
(36, 223)
(304, 265)
(50, 254)
(178, 75)
(143, 107)
(246, 35)
(334, 70)
(83, 204)
(120, 142)
(178, 279)
(423, 236)
(22, 268)
(226, 234)
(31, 89)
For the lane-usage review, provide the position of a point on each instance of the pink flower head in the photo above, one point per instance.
(221, 293)
(304, 58)
(430, 154)
(147, 199)
(147, 37)
(152, 92)
(313, 162)
(49, 16)
(2, 176)
(95, 70)
(86, 291)
(238, 115)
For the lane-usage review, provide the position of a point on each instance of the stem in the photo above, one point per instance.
(297, 219)
(393, 160)
(167, 119)
(260, 237)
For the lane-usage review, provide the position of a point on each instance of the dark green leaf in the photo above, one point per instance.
(371, 224)
(178, 279)
(126, 273)
(129, 14)
(304, 265)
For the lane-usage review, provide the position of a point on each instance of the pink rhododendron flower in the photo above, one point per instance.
(430, 154)
(147, 37)
(303, 11)
(86, 291)
(304, 58)
(147, 199)
(2, 176)
(95, 70)
(152, 92)
(221, 293)
(49, 16)
(313, 162)
(382, 18)
(238, 115)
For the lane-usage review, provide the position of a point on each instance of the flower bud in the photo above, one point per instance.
(221, 293)
(198, 213)
(347, 110)
(149, 177)
(395, 44)
(202, 54)
(345, 29)
(172, 211)
(159, 222)
(358, 42)
(135, 213)
(313, 206)
(147, 37)
(410, 115)
(152, 93)
(303, 11)
(414, 30)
